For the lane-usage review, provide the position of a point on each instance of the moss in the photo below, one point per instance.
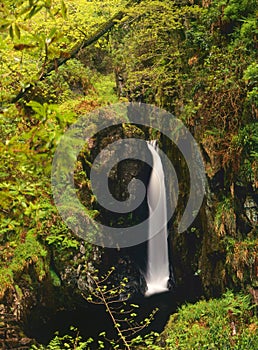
(225, 323)
(54, 278)
(131, 130)
(6, 280)
(31, 252)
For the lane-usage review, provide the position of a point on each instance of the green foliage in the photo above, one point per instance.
(148, 341)
(115, 296)
(34, 35)
(251, 77)
(196, 60)
(236, 10)
(68, 342)
(29, 221)
(226, 323)
(225, 216)
(105, 89)
(72, 81)
(62, 241)
(198, 66)
(241, 260)
(54, 278)
(17, 257)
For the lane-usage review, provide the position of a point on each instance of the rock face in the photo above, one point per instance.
(16, 307)
(122, 173)
(126, 261)
(219, 250)
(11, 336)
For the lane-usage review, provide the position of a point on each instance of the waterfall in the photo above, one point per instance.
(157, 272)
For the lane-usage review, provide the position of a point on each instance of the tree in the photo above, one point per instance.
(51, 41)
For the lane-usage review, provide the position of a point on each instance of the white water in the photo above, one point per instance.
(157, 273)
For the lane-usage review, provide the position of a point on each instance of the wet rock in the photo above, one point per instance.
(135, 284)
(251, 209)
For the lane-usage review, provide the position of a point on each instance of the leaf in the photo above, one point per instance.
(134, 305)
(3, 174)
(37, 107)
(33, 11)
(11, 31)
(52, 32)
(63, 10)
(17, 31)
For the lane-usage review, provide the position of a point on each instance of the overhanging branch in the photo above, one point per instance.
(60, 61)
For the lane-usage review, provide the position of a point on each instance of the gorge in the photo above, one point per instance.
(197, 60)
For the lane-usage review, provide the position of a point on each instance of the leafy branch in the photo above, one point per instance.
(107, 26)
(115, 299)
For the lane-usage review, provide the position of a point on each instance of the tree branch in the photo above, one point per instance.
(76, 49)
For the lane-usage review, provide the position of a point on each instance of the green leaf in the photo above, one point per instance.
(11, 31)
(52, 32)
(134, 305)
(33, 11)
(17, 31)
(63, 10)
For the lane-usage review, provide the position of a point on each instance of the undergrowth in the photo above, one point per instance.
(229, 322)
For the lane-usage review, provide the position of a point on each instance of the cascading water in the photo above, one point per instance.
(157, 272)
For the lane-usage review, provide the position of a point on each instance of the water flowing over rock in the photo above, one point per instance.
(157, 274)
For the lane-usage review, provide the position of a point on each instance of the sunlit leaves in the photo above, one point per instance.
(39, 32)
(27, 211)
(226, 323)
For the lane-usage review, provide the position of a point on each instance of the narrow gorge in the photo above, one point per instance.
(165, 274)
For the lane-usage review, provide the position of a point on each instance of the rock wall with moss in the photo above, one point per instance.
(201, 66)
